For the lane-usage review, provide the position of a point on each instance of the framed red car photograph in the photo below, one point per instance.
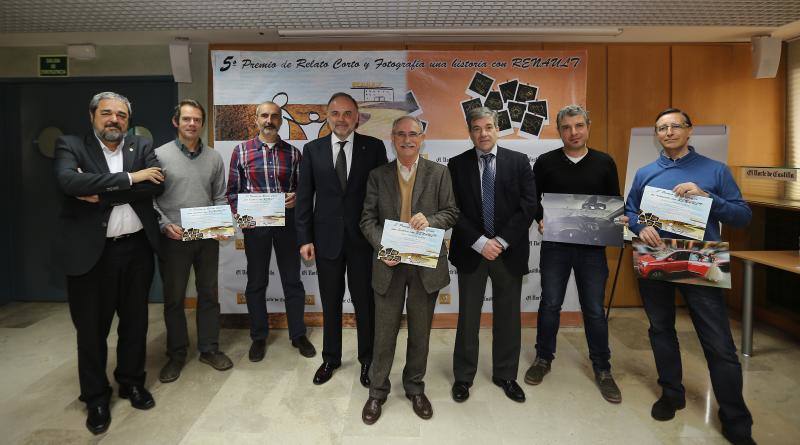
(703, 263)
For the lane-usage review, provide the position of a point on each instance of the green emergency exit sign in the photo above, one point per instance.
(53, 66)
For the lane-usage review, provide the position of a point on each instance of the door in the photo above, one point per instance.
(699, 264)
(63, 106)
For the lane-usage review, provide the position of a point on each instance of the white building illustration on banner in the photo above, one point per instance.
(374, 91)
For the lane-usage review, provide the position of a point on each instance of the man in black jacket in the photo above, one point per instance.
(496, 194)
(330, 197)
(108, 234)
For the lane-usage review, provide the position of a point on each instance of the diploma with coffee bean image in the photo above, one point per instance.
(400, 242)
(206, 222)
(663, 209)
(261, 210)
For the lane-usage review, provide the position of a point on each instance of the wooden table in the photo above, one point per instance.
(788, 260)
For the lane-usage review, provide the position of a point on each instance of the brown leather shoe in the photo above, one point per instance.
(421, 404)
(372, 410)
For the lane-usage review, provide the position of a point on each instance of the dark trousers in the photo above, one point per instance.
(356, 262)
(119, 283)
(175, 262)
(420, 306)
(556, 261)
(258, 244)
(506, 329)
(710, 319)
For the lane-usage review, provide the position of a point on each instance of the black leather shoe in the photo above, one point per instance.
(140, 398)
(98, 419)
(364, 377)
(664, 408)
(421, 405)
(257, 350)
(510, 387)
(372, 410)
(306, 348)
(737, 439)
(460, 391)
(324, 373)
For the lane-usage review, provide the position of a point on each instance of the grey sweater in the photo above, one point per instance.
(197, 182)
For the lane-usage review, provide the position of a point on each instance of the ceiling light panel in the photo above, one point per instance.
(39, 16)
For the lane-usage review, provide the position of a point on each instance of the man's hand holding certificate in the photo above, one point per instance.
(403, 244)
(261, 210)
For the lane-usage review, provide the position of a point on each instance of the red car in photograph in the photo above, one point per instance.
(682, 262)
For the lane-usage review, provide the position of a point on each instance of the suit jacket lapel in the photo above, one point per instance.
(475, 178)
(500, 167)
(392, 182)
(358, 156)
(419, 182)
(326, 157)
(95, 152)
(128, 153)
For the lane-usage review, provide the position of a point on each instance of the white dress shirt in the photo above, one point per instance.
(123, 219)
(481, 242)
(405, 172)
(348, 149)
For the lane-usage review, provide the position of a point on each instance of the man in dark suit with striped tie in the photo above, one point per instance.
(496, 195)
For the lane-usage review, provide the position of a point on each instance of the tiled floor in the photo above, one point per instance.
(275, 402)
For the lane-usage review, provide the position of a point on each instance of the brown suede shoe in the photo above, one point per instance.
(217, 360)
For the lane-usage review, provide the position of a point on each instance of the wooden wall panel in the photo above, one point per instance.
(703, 82)
(757, 129)
(638, 89)
(713, 83)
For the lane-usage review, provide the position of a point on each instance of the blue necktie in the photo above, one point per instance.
(487, 185)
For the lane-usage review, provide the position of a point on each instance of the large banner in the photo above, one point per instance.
(527, 88)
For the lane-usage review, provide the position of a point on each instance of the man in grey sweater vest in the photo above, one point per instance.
(197, 179)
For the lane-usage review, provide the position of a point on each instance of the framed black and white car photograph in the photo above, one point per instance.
(583, 219)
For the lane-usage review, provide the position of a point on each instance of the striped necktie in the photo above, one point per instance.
(487, 187)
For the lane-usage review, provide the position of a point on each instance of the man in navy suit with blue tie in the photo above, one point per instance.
(496, 195)
(330, 197)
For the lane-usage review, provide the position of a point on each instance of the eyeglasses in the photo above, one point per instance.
(412, 135)
(674, 127)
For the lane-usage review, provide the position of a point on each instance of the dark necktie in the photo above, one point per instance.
(341, 165)
(487, 185)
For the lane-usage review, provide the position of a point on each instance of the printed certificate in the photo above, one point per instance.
(662, 209)
(417, 247)
(261, 209)
(206, 222)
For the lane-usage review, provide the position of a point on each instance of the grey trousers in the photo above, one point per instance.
(175, 262)
(420, 306)
(506, 324)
